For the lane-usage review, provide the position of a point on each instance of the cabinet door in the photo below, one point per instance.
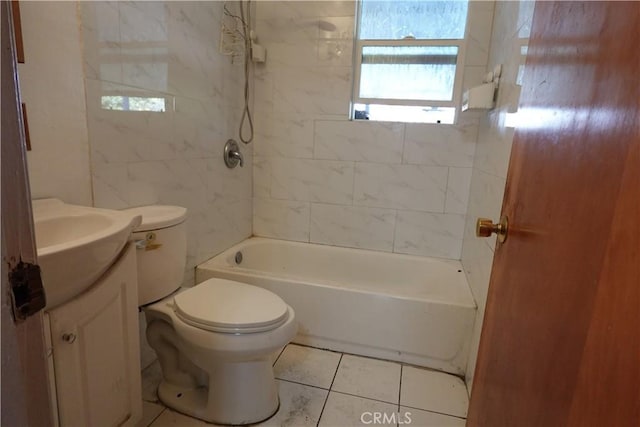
(95, 351)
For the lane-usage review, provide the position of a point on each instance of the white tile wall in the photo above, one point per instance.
(360, 141)
(352, 226)
(429, 234)
(382, 186)
(415, 187)
(312, 180)
(441, 145)
(51, 87)
(167, 50)
(511, 24)
(281, 218)
(458, 184)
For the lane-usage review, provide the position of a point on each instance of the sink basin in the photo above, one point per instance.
(76, 245)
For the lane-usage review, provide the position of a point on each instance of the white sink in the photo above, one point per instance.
(76, 245)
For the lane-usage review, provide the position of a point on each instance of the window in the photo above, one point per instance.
(408, 60)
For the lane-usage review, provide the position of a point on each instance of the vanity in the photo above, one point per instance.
(89, 274)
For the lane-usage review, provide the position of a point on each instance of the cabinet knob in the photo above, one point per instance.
(68, 338)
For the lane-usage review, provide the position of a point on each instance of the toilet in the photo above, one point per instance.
(215, 340)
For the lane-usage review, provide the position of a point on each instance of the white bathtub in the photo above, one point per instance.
(410, 309)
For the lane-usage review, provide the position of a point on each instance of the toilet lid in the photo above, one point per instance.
(221, 305)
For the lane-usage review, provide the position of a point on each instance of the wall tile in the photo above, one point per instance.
(308, 78)
(312, 180)
(473, 75)
(111, 186)
(360, 141)
(429, 234)
(400, 186)
(305, 9)
(458, 185)
(478, 257)
(51, 87)
(200, 128)
(325, 90)
(281, 219)
(168, 50)
(352, 226)
(494, 145)
(278, 135)
(479, 37)
(230, 223)
(485, 198)
(261, 177)
(440, 145)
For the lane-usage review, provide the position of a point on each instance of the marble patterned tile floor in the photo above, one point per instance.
(330, 389)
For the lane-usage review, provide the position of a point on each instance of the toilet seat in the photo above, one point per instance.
(226, 306)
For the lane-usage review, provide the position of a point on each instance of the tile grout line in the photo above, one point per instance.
(299, 383)
(329, 392)
(362, 397)
(164, 408)
(436, 412)
(280, 355)
(400, 388)
(400, 393)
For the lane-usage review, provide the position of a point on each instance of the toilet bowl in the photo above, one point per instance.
(215, 340)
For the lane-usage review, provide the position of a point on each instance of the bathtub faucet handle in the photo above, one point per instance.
(232, 154)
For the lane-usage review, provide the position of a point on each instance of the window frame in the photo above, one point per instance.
(359, 44)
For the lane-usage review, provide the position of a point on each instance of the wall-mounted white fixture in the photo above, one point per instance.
(483, 97)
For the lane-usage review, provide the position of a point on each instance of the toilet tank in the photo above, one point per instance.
(161, 249)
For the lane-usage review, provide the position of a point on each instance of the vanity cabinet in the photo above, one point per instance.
(95, 351)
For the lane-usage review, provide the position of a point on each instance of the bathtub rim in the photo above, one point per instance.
(222, 261)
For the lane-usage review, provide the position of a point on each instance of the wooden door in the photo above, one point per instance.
(24, 395)
(560, 343)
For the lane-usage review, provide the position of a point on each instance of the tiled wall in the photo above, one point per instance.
(167, 50)
(511, 27)
(321, 178)
(59, 161)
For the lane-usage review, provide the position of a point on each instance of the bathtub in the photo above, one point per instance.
(405, 308)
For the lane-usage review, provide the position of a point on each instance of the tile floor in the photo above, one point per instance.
(326, 388)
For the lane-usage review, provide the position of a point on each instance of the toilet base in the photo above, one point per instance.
(238, 394)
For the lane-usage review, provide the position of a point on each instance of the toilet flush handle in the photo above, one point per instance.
(148, 243)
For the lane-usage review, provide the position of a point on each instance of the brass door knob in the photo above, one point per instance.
(485, 227)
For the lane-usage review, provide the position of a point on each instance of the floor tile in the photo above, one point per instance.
(275, 355)
(151, 378)
(371, 378)
(150, 412)
(300, 406)
(420, 418)
(171, 418)
(344, 410)
(433, 391)
(307, 365)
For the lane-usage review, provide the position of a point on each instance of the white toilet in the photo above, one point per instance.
(215, 340)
